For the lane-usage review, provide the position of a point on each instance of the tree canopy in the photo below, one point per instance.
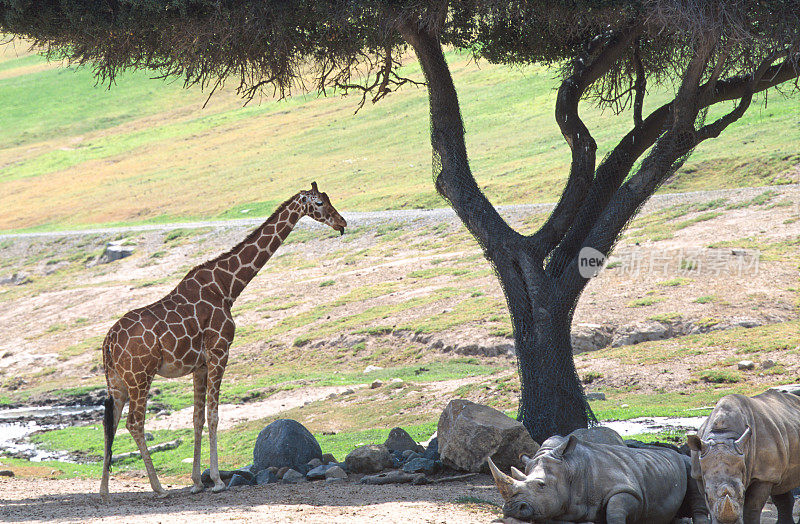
(707, 51)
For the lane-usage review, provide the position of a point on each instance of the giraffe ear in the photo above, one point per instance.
(313, 186)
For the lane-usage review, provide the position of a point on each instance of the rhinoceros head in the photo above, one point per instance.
(722, 475)
(544, 492)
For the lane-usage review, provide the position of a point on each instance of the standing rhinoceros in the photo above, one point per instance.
(747, 450)
(591, 478)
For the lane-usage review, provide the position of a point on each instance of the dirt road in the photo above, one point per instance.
(41, 500)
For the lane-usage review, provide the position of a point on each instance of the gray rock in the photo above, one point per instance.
(266, 476)
(285, 443)
(318, 473)
(746, 365)
(149, 437)
(313, 463)
(595, 395)
(371, 368)
(17, 279)
(6, 473)
(224, 475)
(590, 337)
(328, 458)
(468, 433)
(420, 465)
(767, 364)
(432, 451)
(794, 389)
(640, 332)
(115, 252)
(376, 384)
(240, 480)
(335, 473)
(368, 459)
(293, 476)
(407, 453)
(400, 440)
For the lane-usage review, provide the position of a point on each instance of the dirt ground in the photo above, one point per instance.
(31, 500)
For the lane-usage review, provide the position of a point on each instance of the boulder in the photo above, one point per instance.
(285, 443)
(468, 433)
(400, 440)
(369, 459)
(746, 365)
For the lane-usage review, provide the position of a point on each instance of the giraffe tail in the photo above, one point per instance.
(108, 426)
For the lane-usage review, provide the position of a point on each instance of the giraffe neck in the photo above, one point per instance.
(249, 256)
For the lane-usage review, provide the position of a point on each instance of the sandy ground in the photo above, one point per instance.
(29, 500)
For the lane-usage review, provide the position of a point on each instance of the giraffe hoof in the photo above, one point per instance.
(218, 487)
(161, 494)
(197, 488)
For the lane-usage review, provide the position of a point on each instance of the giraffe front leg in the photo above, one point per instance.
(216, 367)
(135, 425)
(200, 379)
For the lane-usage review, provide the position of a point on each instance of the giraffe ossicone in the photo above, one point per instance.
(190, 330)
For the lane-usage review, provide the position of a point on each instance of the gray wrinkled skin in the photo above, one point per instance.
(746, 451)
(573, 479)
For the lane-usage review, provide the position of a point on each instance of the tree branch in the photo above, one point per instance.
(580, 140)
(454, 181)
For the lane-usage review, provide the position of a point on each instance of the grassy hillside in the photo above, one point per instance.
(73, 153)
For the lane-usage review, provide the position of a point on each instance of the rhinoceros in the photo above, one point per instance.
(591, 476)
(747, 450)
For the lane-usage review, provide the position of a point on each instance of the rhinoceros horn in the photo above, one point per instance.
(742, 441)
(517, 474)
(503, 481)
(727, 513)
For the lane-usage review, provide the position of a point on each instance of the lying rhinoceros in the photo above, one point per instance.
(747, 450)
(591, 476)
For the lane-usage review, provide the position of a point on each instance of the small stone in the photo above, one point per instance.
(335, 472)
(371, 368)
(315, 462)
(328, 458)
(595, 395)
(6, 473)
(746, 365)
(624, 406)
(396, 381)
(266, 476)
(348, 391)
(188, 460)
(407, 453)
(293, 476)
(240, 480)
(282, 471)
(376, 384)
(767, 364)
(318, 473)
(420, 465)
(148, 437)
(334, 480)
(432, 451)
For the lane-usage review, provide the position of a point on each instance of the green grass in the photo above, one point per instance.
(159, 157)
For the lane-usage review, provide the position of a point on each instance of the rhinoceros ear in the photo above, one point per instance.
(517, 474)
(742, 441)
(695, 444)
(566, 446)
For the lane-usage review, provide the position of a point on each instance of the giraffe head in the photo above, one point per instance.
(319, 207)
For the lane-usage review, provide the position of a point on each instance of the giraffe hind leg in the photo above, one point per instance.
(199, 379)
(115, 401)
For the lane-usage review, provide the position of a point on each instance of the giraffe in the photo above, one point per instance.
(190, 331)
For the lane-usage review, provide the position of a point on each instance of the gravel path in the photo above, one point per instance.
(426, 216)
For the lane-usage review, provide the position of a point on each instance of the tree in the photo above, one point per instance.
(609, 51)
